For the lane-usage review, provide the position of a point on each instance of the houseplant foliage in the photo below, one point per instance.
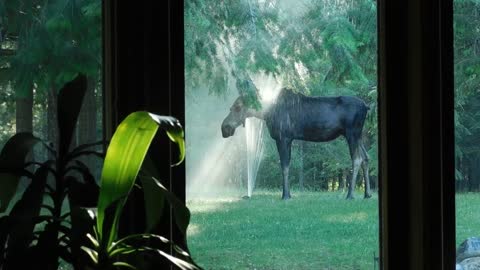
(39, 227)
(123, 162)
(53, 219)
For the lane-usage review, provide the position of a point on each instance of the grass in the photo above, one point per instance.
(467, 216)
(313, 230)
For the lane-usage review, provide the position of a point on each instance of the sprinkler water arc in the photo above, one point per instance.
(254, 129)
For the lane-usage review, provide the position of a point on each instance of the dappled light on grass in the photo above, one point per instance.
(193, 229)
(209, 204)
(353, 217)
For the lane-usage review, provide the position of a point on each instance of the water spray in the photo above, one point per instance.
(254, 129)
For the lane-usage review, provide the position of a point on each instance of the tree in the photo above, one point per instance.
(467, 101)
(313, 47)
(52, 42)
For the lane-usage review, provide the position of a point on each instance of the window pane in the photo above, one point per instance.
(467, 130)
(263, 77)
(43, 45)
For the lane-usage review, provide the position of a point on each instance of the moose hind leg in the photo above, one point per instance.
(284, 149)
(366, 177)
(356, 163)
(353, 145)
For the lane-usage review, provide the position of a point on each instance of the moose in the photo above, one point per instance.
(294, 116)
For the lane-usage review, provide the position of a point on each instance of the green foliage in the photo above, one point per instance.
(46, 33)
(40, 227)
(132, 139)
(318, 48)
(54, 216)
(467, 101)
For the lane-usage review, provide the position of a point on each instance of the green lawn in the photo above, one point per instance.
(467, 216)
(311, 231)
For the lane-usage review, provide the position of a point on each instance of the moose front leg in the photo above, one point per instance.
(284, 149)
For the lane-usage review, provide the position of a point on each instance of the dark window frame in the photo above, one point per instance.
(417, 192)
(417, 134)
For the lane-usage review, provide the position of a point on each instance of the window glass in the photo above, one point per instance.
(467, 127)
(265, 78)
(43, 45)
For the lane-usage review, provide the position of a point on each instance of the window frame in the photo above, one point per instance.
(143, 70)
(415, 82)
(417, 197)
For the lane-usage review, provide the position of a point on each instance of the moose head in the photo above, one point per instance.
(238, 113)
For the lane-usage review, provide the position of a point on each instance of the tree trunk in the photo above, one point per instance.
(373, 182)
(323, 178)
(87, 120)
(314, 175)
(340, 179)
(24, 113)
(346, 179)
(24, 116)
(87, 123)
(52, 124)
(301, 174)
(475, 180)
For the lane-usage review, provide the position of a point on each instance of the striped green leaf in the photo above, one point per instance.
(123, 160)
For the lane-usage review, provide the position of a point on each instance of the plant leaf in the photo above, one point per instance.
(125, 265)
(178, 262)
(174, 130)
(84, 147)
(82, 224)
(4, 230)
(153, 197)
(70, 100)
(93, 240)
(122, 251)
(12, 159)
(47, 249)
(92, 253)
(180, 211)
(123, 160)
(124, 157)
(83, 194)
(23, 218)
